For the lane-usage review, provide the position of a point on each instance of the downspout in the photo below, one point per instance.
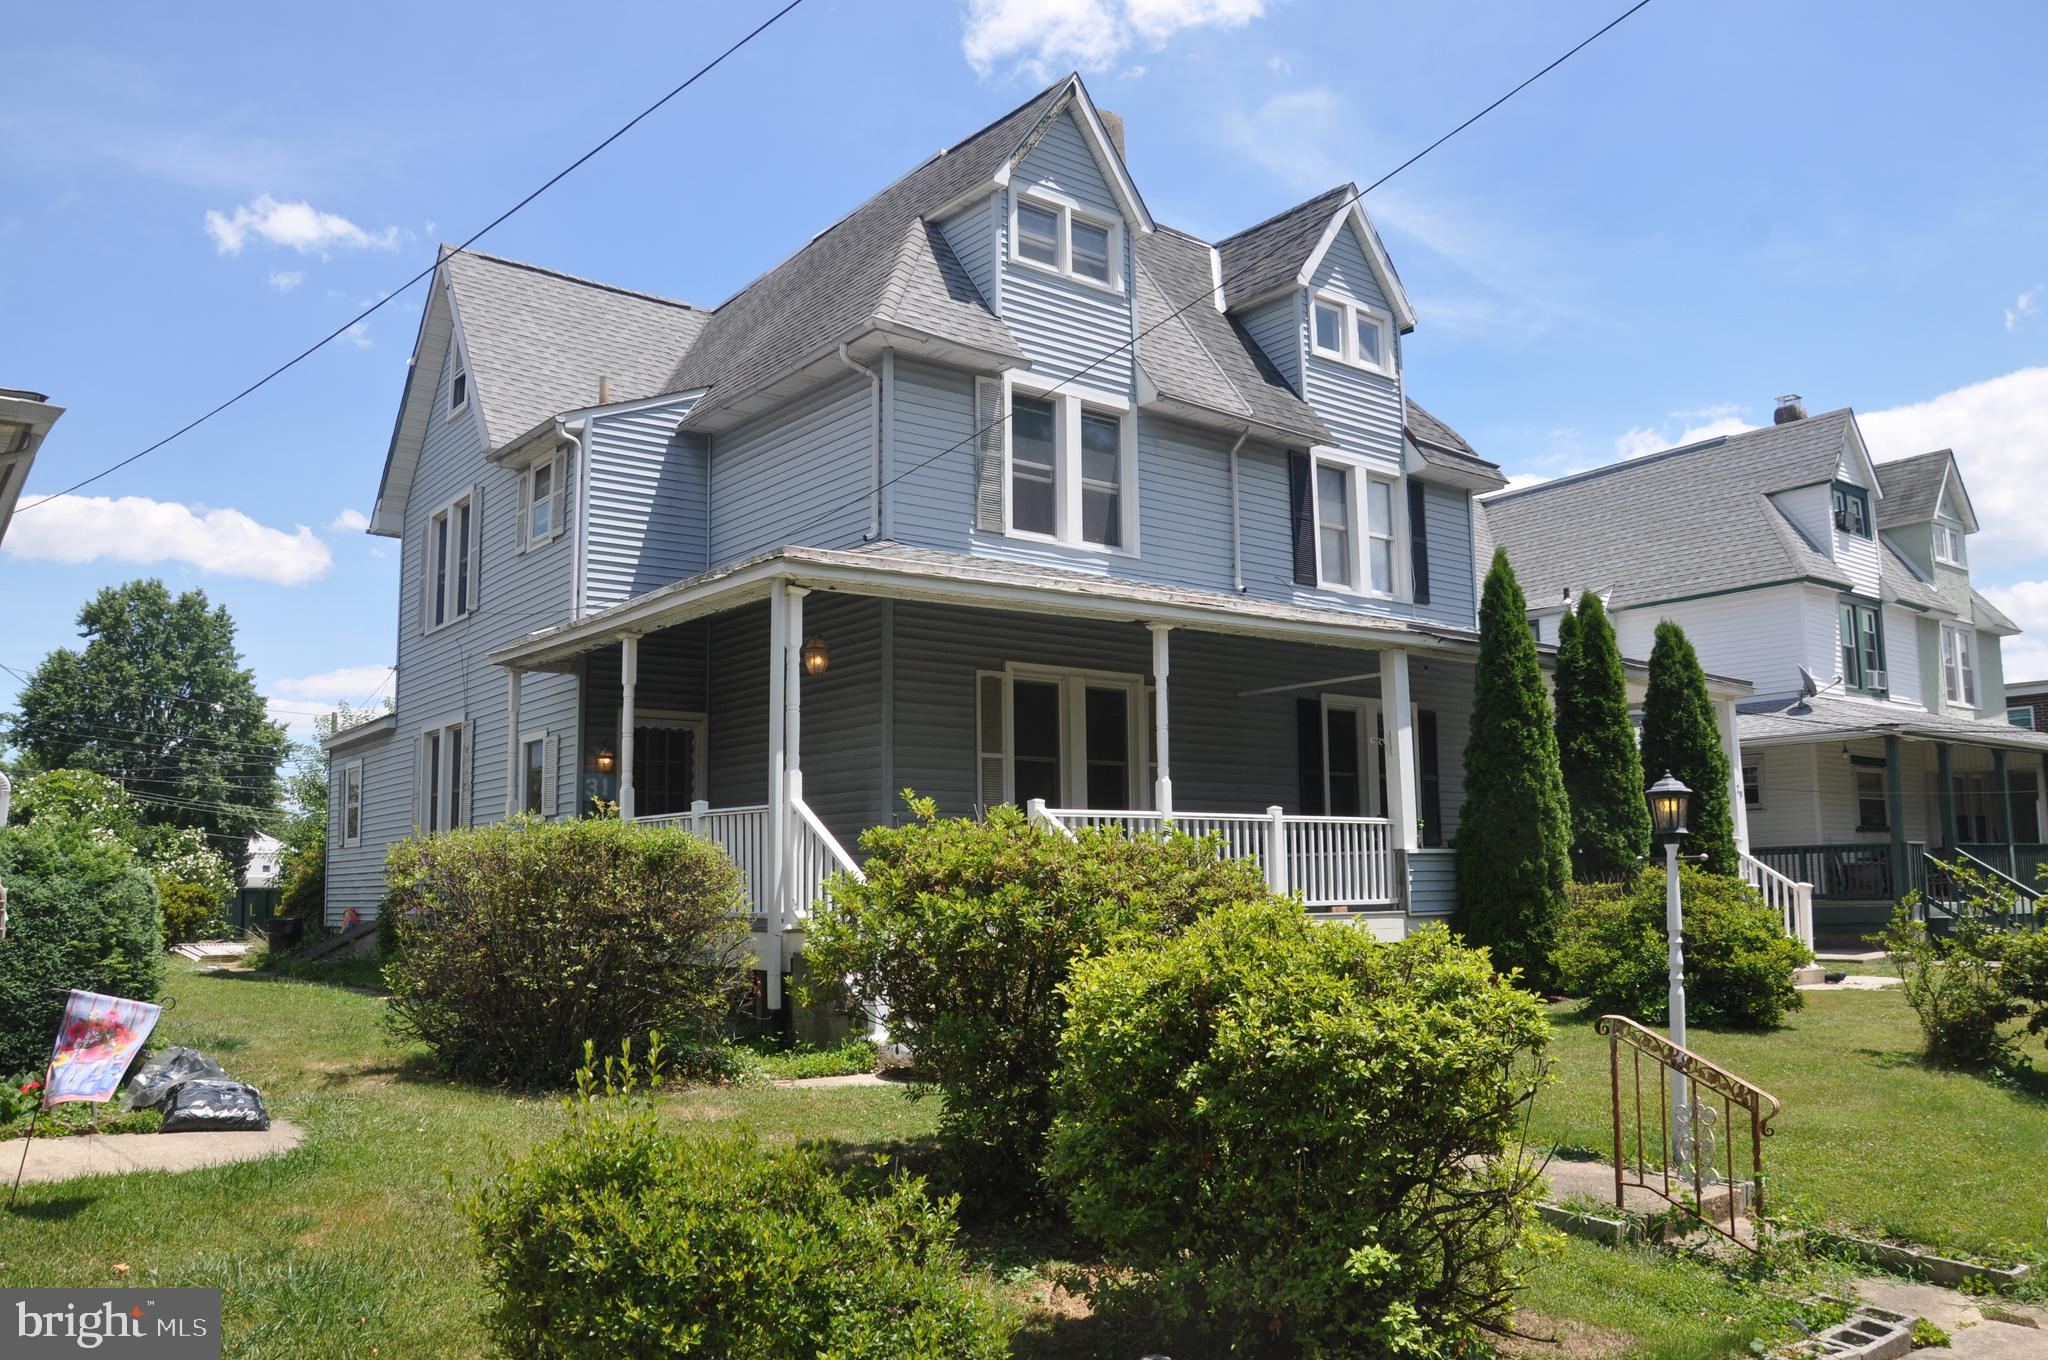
(573, 435)
(875, 436)
(1236, 537)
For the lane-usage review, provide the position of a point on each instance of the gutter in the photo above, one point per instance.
(1236, 522)
(875, 439)
(572, 432)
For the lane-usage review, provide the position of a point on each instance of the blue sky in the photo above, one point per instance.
(1713, 205)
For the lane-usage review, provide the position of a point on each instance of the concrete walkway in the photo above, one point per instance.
(1982, 1329)
(116, 1154)
(852, 1079)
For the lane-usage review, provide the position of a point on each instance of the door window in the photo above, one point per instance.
(1035, 741)
(668, 755)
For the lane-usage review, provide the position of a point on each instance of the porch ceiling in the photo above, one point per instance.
(900, 571)
(1780, 722)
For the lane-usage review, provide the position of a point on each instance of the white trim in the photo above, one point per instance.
(1068, 408)
(1065, 210)
(448, 595)
(556, 467)
(1359, 475)
(1349, 313)
(1948, 531)
(1073, 683)
(1107, 161)
(533, 737)
(352, 777)
(446, 777)
(1958, 665)
(698, 724)
(1375, 255)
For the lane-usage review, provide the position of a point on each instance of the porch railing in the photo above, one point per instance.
(1790, 898)
(2021, 860)
(1946, 890)
(1844, 872)
(1326, 861)
(747, 837)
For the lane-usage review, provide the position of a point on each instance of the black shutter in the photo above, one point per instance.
(1308, 745)
(1418, 541)
(1302, 513)
(1432, 780)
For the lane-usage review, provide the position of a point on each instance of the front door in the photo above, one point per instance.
(668, 762)
(1075, 740)
(1354, 757)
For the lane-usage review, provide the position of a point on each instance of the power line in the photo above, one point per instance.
(342, 329)
(1204, 297)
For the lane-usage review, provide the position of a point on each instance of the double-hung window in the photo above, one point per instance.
(441, 793)
(540, 503)
(1873, 809)
(1958, 671)
(1351, 333)
(1862, 645)
(1851, 505)
(1072, 469)
(352, 803)
(1355, 527)
(449, 585)
(1948, 544)
(1053, 232)
(533, 773)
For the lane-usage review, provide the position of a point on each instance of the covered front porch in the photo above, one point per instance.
(782, 708)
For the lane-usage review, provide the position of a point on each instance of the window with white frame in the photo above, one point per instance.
(451, 563)
(533, 772)
(458, 389)
(1072, 469)
(1077, 739)
(1057, 234)
(1351, 333)
(1753, 787)
(1353, 551)
(441, 786)
(1873, 807)
(1948, 544)
(352, 803)
(540, 516)
(1958, 668)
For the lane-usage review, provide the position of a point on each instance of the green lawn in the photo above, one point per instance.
(351, 1245)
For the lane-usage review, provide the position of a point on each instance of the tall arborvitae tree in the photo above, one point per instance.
(1680, 735)
(1514, 830)
(1596, 749)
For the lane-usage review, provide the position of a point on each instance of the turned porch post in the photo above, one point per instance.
(629, 676)
(1397, 704)
(513, 803)
(1162, 787)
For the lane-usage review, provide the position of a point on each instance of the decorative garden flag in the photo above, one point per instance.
(98, 1039)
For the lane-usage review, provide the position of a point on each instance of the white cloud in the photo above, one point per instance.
(2024, 307)
(1681, 428)
(2024, 657)
(350, 520)
(284, 280)
(1999, 431)
(358, 335)
(137, 529)
(300, 226)
(345, 684)
(1042, 36)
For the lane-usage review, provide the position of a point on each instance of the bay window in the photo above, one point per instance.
(1072, 468)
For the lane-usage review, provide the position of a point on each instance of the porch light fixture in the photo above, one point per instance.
(604, 760)
(1668, 801)
(817, 656)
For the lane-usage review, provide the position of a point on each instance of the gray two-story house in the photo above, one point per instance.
(997, 490)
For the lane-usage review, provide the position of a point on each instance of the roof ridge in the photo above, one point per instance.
(566, 277)
(1916, 457)
(1661, 455)
(1297, 207)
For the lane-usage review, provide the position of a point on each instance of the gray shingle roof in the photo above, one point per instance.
(1902, 581)
(875, 261)
(1827, 718)
(1269, 255)
(539, 340)
(1201, 356)
(1989, 616)
(1445, 448)
(1912, 487)
(1685, 522)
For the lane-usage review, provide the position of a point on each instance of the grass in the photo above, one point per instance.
(789, 1061)
(352, 1245)
(1871, 1139)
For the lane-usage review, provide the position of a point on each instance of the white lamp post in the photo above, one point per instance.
(1668, 801)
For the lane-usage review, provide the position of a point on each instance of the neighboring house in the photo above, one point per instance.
(1841, 590)
(262, 884)
(2026, 704)
(25, 418)
(266, 862)
(996, 490)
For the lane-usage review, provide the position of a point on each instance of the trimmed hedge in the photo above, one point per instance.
(519, 941)
(1301, 1135)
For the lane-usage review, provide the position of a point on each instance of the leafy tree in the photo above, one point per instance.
(159, 700)
(1596, 749)
(1514, 831)
(1680, 735)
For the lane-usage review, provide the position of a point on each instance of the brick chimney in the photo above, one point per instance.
(1788, 410)
(1113, 124)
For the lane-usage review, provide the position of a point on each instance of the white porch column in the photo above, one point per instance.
(629, 676)
(778, 764)
(513, 677)
(1397, 705)
(1738, 800)
(1162, 788)
(792, 745)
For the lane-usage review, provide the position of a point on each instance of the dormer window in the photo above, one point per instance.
(1351, 333)
(458, 392)
(1058, 235)
(1852, 509)
(1948, 544)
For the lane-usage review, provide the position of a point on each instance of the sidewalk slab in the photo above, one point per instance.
(1976, 1335)
(117, 1154)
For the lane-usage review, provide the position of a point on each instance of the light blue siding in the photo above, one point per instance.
(1277, 328)
(800, 474)
(1433, 883)
(973, 233)
(1362, 409)
(355, 874)
(647, 518)
(1064, 326)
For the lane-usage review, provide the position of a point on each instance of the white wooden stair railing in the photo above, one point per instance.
(1791, 899)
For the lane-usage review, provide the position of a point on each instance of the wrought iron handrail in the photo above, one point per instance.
(1690, 1146)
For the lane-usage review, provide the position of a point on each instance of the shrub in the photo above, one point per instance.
(1968, 985)
(305, 881)
(1680, 735)
(1303, 1134)
(191, 912)
(80, 913)
(614, 1239)
(1738, 959)
(966, 929)
(519, 941)
(1596, 749)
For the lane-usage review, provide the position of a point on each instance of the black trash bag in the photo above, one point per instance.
(202, 1104)
(153, 1084)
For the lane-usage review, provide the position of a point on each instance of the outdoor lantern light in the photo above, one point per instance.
(816, 656)
(604, 759)
(1668, 800)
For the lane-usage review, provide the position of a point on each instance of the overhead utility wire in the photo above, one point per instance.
(1207, 295)
(343, 328)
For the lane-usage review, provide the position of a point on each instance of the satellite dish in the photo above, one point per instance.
(1807, 688)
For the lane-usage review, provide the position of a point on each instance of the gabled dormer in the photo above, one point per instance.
(1927, 515)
